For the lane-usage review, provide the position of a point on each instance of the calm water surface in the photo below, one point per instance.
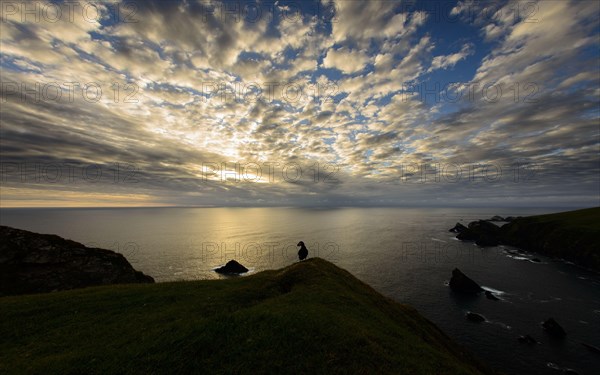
(405, 253)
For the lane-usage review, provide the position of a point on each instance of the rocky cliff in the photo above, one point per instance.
(571, 235)
(38, 263)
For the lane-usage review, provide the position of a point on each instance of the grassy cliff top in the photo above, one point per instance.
(572, 235)
(310, 317)
(587, 219)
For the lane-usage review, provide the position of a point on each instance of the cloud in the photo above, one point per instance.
(347, 61)
(449, 61)
(363, 21)
(174, 98)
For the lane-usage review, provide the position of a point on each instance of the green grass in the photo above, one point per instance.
(311, 317)
(587, 219)
(572, 235)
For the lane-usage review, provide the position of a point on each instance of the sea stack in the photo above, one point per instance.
(232, 268)
(460, 283)
(554, 329)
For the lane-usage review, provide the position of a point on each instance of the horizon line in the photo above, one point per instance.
(300, 206)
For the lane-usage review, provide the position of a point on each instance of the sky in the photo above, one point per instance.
(300, 103)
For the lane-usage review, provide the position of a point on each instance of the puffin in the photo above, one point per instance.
(303, 252)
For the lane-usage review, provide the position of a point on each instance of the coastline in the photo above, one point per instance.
(572, 235)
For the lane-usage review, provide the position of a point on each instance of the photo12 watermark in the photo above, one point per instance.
(457, 92)
(69, 11)
(129, 249)
(475, 172)
(68, 173)
(270, 172)
(69, 92)
(290, 12)
(263, 252)
(450, 251)
(253, 92)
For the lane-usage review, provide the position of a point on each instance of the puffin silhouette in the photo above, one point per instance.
(303, 252)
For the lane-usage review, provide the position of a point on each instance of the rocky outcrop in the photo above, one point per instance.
(554, 329)
(527, 340)
(39, 263)
(461, 283)
(572, 235)
(232, 268)
(474, 317)
(490, 295)
(591, 348)
(482, 232)
(458, 228)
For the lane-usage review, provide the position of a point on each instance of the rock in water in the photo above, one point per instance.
(490, 295)
(592, 348)
(232, 267)
(527, 340)
(554, 329)
(475, 317)
(462, 284)
(39, 263)
(563, 370)
(458, 228)
(482, 232)
(485, 241)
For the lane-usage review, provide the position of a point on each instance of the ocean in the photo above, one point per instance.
(406, 254)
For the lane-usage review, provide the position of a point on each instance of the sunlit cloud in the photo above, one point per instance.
(312, 103)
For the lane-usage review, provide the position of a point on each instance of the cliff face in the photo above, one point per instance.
(573, 235)
(38, 263)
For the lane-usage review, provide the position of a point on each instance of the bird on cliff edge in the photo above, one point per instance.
(303, 252)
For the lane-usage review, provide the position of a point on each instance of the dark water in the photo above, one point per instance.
(406, 254)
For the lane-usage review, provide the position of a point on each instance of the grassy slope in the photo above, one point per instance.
(310, 317)
(572, 235)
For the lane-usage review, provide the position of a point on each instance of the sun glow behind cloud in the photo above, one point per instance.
(311, 103)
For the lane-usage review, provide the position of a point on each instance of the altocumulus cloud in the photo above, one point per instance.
(299, 103)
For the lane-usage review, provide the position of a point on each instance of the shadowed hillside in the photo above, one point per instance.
(310, 317)
(572, 235)
(39, 263)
